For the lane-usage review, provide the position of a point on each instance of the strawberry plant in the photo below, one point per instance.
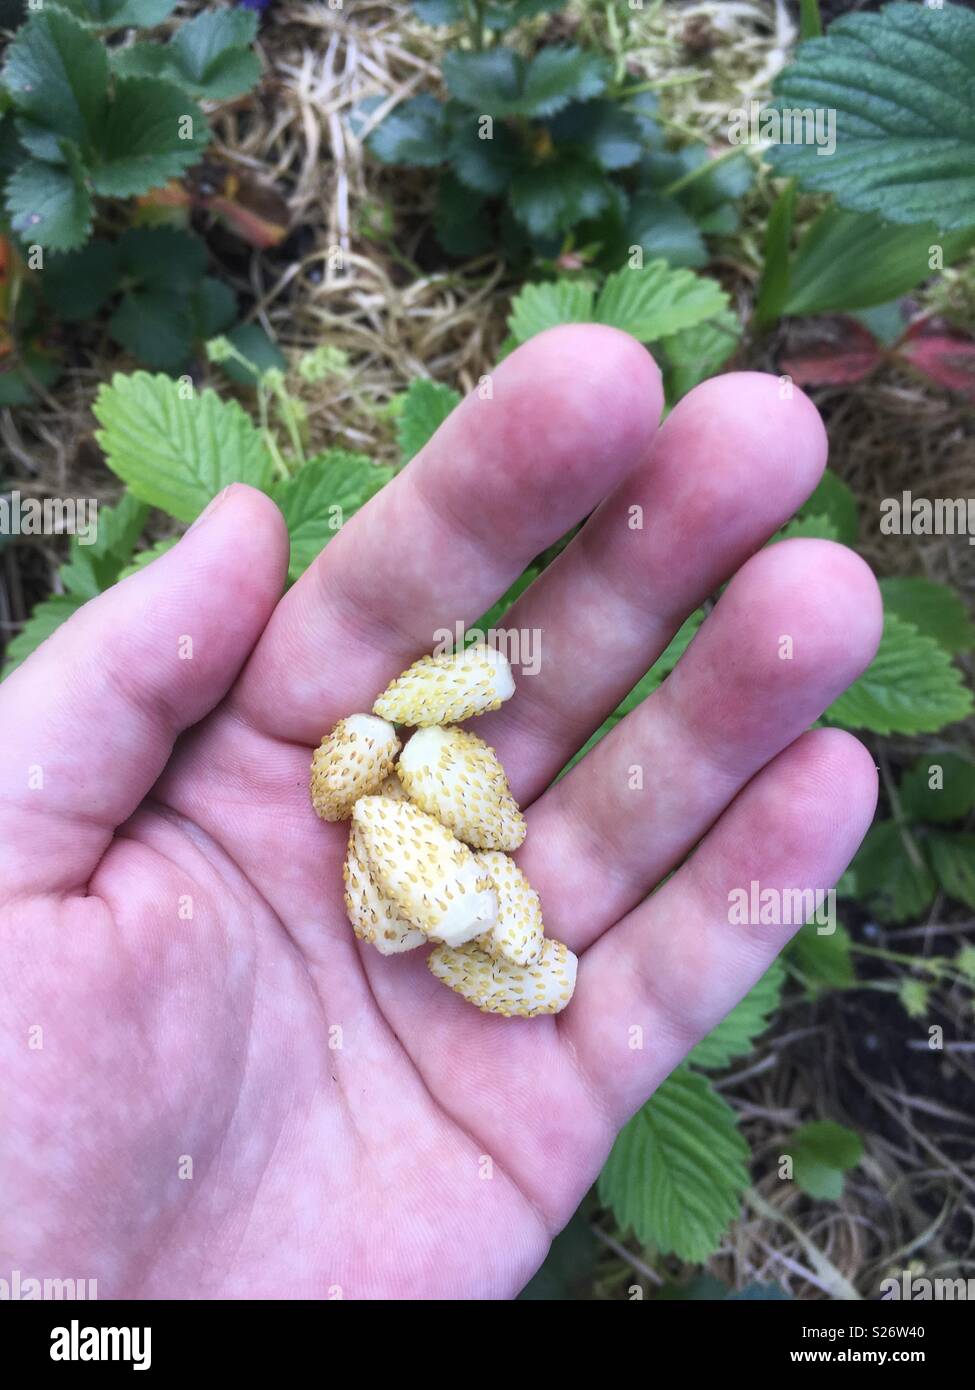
(902, 175)
(87, 125)
(923, 847)
(905, 129)
(175, 448)
(685, 317)
(545, 154)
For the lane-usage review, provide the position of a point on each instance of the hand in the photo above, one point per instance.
(231, 1096)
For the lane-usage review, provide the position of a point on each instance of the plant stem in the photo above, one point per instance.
(475, 20)
(693, 175)
(900, 819)
(654, 84)
(288, 416)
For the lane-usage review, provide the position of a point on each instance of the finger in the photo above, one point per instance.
(570, 414)
(797, 624)
(730, 465)
(669, 972)
(90, 719)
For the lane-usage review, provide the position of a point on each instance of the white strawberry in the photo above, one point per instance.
(454, 775)
(435, 881)
(518, 934)
(352, 761)
(374, 918)
(392, 787)
(498, 987)
(448, 689)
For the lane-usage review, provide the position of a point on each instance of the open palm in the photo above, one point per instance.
(209, 1087)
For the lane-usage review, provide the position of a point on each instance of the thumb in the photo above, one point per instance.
(89, 720)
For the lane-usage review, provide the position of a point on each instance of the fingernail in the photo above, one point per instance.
(210, 507)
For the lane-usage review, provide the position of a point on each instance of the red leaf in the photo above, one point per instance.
(849, 354)
(946, 358)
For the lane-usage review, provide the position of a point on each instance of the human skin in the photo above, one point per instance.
(172, 916)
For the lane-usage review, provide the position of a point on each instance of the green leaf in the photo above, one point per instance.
(543, 306)
(502, 14)
(150, 133)
(851, 260)
(552, 197)
(774, 289)
(940, 787)
(716, 185)
(696, 353)
(934, 609)
(426, 404)
(953, 858)
(900, 84)
(664, 230)
(499, 82)
(57, 75)
(169, 302)
(910, 687)
(808, 526)
(212, 308)
(176, 451)
(162, 258)
(79, 284)
(823, 959)
(462, 226)
(821, 1153)
(735, 1036)
(155, 327)
(37, 140)
(146, 557)
(835, 500)
(567, 1270)
(914, 997)
(678, 1169)
(557, 76)
(810, 20)
(885, 321)
(655, 302)
(415, 132)
(321, 497)
(211, 53)
(491, 82)
(119, 14)
(884, 876)
(91, 569)
(483, 165)
(608, 134)
(209, 56)
(46, 618)
(49, 203)
(261, 352)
